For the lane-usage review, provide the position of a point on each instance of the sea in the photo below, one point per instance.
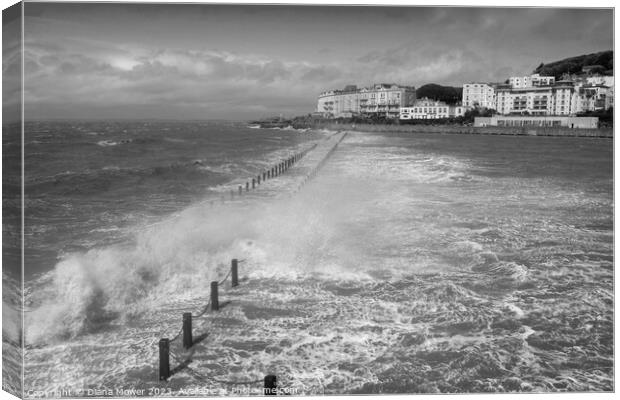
(407, 263)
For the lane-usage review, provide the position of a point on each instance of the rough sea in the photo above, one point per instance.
(412, 263)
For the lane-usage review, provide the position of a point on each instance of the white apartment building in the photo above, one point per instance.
(559, 99)
(339, 103)
(594, 97)
(601, 80)
(478, 94)
(431, 109)
(380, 99)
(529, 81)
(385, 99)
(566, 97)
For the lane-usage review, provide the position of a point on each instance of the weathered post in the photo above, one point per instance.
(187, 330)
(164, 359)
(234, 272)
(247, 186)
(253, 183)
(215, 305)
(258, 180)
(270, 385)
(263, 176)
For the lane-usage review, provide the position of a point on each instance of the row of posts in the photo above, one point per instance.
(270, 381)
(271, 173)
(164, 344)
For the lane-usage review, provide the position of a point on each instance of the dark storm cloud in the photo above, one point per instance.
(220, 61)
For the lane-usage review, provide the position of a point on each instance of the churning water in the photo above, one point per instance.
(411, 263)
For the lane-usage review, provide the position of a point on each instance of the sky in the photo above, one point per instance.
(182, 61)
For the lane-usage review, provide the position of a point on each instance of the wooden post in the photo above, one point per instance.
(187, 330)
(234, 272)
(263, 176)
(164, 359)
(258, 180)
(270, 385)
(247, 186)
(215, 305)
(253, 183)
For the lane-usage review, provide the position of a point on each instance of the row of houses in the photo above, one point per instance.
(380, 99)
(542, 95)
(385, 99)
(523, 95)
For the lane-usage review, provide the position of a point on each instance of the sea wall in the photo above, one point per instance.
(488, 130)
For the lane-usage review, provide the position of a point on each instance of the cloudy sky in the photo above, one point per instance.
(241, 62)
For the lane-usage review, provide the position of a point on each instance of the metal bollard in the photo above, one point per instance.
(215, 305)
(164, 359)
(270, 385)
(234, 272)
(187, 330)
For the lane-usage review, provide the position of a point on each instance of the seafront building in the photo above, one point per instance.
(479, 95)
(558, 99)
(530, 81)
(431, 109)
(521, 95)
(542, 95)
(525, 121)
(384, 99)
